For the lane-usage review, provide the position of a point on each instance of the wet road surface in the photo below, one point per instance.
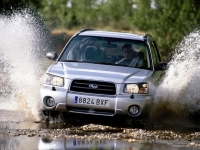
(60, 135)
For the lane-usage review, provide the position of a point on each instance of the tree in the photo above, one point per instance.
(8, 6)
(88, 13)
(167, 20)
(116, 14)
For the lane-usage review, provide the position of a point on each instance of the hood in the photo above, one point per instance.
(99, 72)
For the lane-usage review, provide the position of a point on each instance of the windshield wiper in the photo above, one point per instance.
(109, 63)
(69, 60)
(105, 63)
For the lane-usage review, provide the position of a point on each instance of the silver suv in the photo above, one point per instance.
(103, 73)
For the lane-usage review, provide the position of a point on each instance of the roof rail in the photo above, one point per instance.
(83, 30)
(147, 35)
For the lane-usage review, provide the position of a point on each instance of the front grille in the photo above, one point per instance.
(89, 111)
(96, 87)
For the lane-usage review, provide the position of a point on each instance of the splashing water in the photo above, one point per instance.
(21, 52)
(177, 98)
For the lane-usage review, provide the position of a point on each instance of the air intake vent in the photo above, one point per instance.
(93, 87)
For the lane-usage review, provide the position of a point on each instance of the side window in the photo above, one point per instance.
(155, 54)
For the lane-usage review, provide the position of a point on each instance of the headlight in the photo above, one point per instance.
(140, 88)
(53, 80)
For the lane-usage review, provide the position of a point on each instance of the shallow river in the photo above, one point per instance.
(28, 135)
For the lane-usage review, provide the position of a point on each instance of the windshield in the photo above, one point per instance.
(109, 51)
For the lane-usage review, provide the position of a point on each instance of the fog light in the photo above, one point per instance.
(50, 102)
(134, 110)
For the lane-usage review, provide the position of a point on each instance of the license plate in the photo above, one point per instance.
(87, 142)
(91, 101)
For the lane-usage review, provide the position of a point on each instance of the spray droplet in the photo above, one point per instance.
(22, 48)
(178, 94)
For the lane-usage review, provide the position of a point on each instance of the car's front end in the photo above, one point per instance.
(91, 89)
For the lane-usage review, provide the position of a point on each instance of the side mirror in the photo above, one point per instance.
(162, 66)
(52, 55)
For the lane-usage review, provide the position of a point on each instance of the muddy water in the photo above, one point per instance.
(177, 100)
(23, 43)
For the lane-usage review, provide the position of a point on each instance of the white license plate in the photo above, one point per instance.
(78, 143)
(91, 101)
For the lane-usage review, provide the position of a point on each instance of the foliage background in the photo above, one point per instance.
(168, 21)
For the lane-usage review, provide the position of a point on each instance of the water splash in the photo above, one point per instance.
(178, 96)
(22, 48)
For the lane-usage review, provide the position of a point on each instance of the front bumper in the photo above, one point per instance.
(118, 104)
